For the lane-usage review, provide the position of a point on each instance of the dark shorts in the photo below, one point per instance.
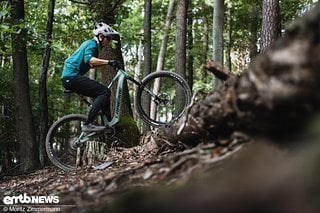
(85, 86)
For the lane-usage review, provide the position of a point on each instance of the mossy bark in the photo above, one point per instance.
(127, 131)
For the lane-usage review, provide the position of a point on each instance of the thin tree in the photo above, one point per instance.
(164, 41)
(162, 52)
(205, 40)
(270, 23)
(43, 124)
(253, 50)
(29, 150)
(190, 56)
(229, 36)
(147, 53)
(205, 33)
(137, 72)
(181, 36)
(218, 15)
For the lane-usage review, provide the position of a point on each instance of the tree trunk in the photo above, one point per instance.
(253, 31)
(29, 150)
(130, 136)
(205, 35)
(218, 14)
(164, 41)
(147, 54)
(276, 95)
(137, 72)
(162, 52)
(205, 41)
(43, 124)
(270, 23)
(180, 55)
(229, 36)
(190, 48)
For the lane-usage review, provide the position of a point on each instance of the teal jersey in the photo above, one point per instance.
(78, 62)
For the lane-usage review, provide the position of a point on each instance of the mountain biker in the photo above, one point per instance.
(78, 64)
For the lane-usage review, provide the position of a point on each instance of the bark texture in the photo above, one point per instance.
(218, 16)
(147, 54)
(275, 95)
(25, 132)
(43, 95)
(270, 23)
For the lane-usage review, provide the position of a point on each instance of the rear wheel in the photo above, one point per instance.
(63, 147)
(169, 94)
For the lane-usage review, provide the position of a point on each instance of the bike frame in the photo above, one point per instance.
(120, 78)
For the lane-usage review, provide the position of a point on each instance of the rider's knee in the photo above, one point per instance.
(108, 93)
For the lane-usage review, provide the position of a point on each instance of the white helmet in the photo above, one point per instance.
(104, 29)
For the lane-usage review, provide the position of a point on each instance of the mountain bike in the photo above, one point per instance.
(69, 148)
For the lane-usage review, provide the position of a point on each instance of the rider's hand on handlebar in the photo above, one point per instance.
(115, 64)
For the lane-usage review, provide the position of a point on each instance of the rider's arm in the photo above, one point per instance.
(98, 62)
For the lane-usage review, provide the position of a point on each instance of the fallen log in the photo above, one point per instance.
(275, 95)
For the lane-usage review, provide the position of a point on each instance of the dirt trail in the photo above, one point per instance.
(141, 166)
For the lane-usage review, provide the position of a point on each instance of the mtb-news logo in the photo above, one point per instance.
(27, 203)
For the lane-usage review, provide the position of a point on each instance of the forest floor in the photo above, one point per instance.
(241, 174)
(141, 167)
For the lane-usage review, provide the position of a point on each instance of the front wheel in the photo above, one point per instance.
(169, 96)
(63, 147)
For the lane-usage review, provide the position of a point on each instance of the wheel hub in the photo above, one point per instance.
(73, 143)
(164, 99)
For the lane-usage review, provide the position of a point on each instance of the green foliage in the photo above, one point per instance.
(130, 28)
(7, 115)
